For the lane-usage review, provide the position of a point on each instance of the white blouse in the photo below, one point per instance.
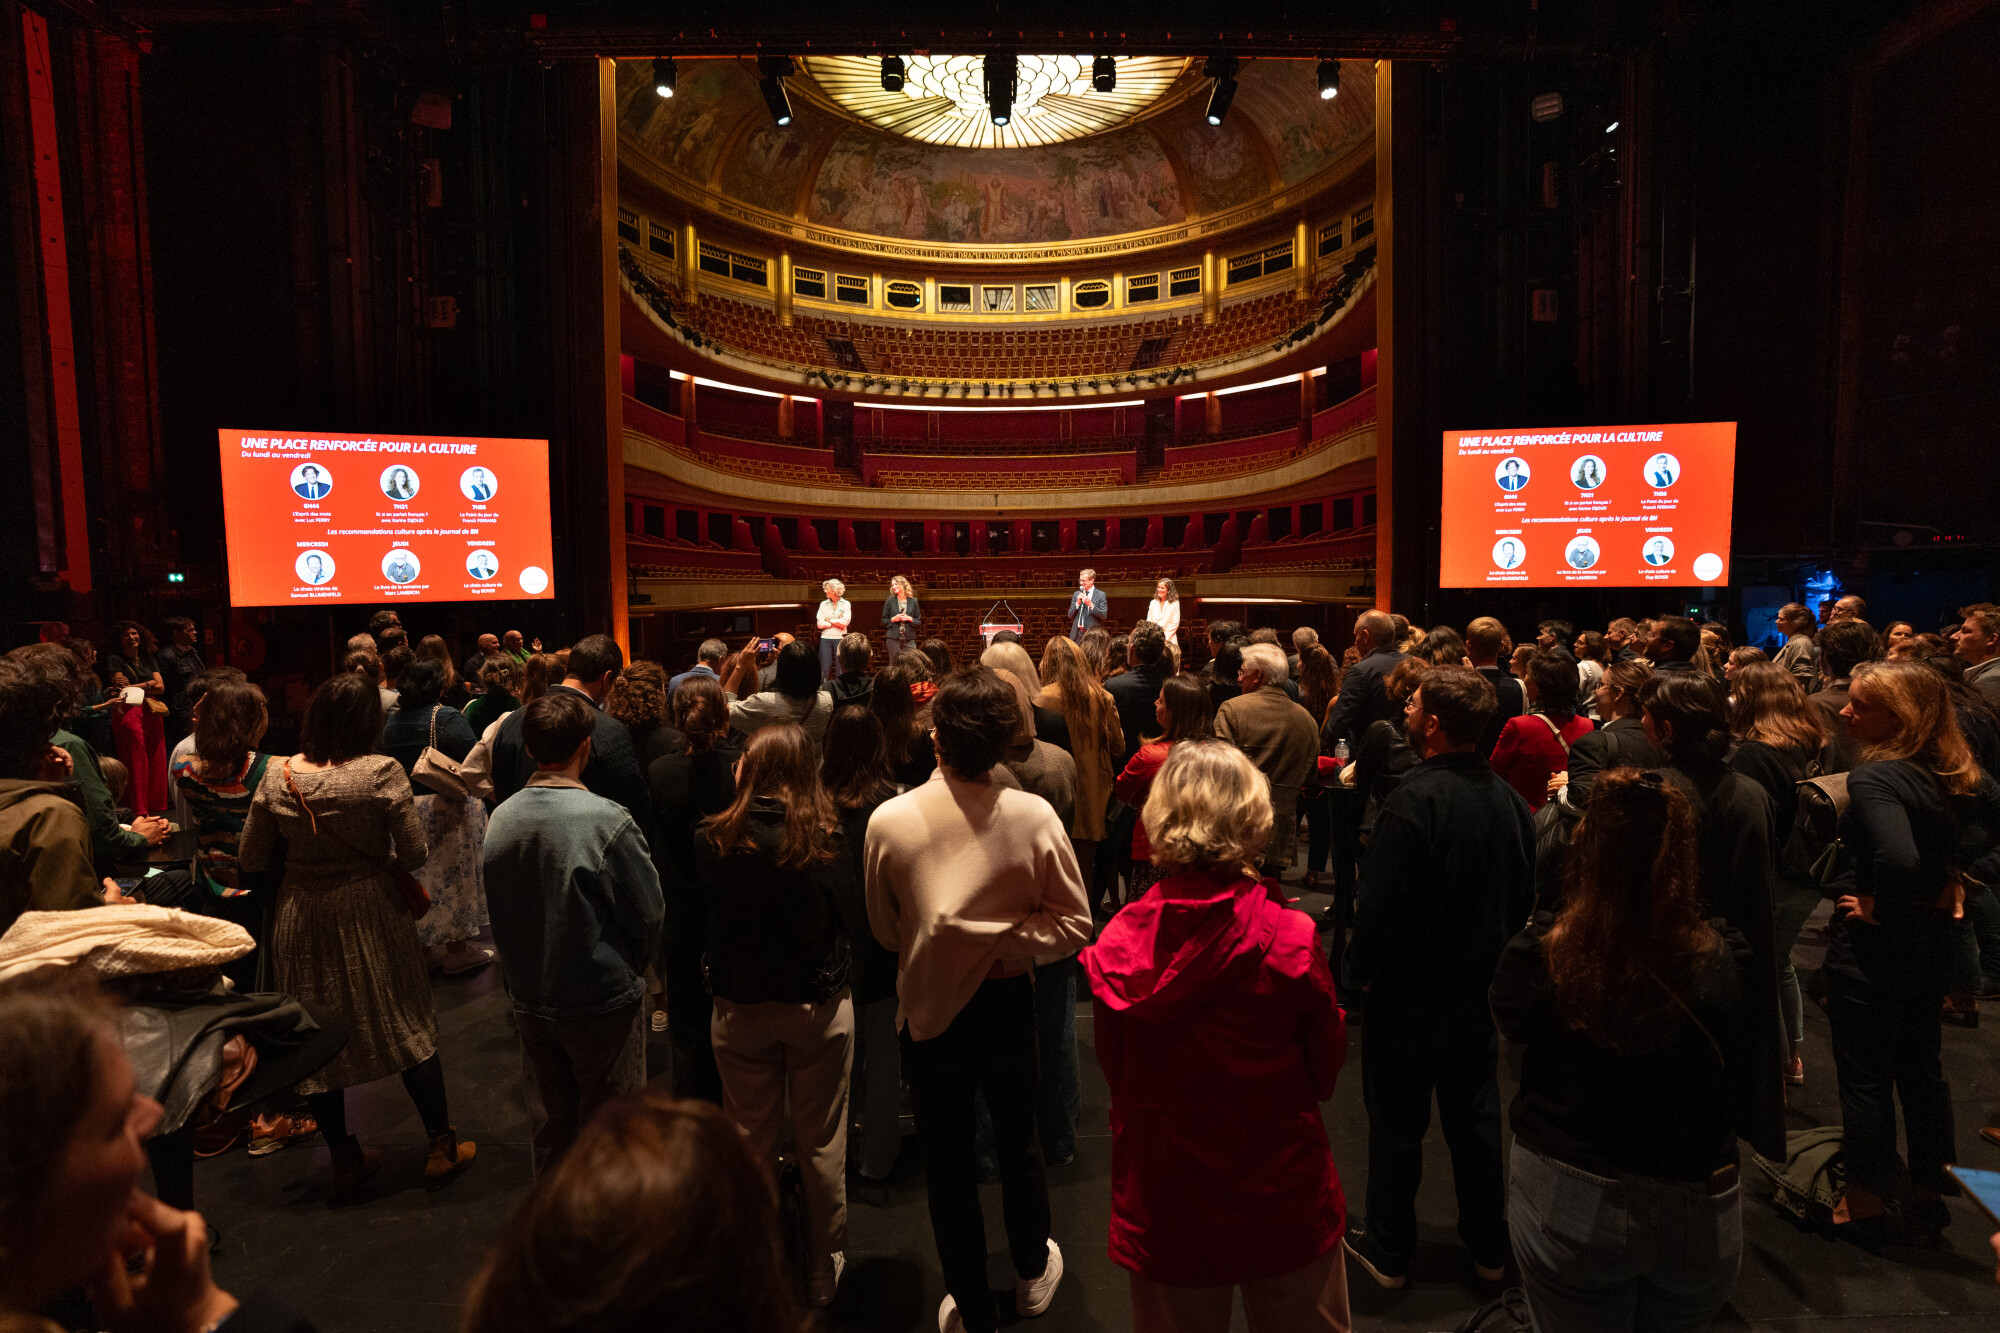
(834, 618)
(1167, 615)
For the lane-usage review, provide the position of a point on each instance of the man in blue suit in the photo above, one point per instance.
(1511, 476)
(479, 485)
(1088, 609)
(309, 486)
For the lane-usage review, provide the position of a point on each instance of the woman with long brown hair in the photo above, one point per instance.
(1184, 715)
(783, 906)
(1779, 740)
(1319, 686)
(456, 692)
(687, 788)
(658, 1216)
(1096, 739)
(1631, 1012)
(855, 772)
(900, 701)
(638, 698)
(1920, 826)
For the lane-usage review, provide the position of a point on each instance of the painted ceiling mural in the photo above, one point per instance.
(830, 171)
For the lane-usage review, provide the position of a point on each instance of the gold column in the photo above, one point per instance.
(690, 261)
(612, 384)
(1211, 288)
(1302, 258)
(1212, 405)
(784, 292)
(785, 417)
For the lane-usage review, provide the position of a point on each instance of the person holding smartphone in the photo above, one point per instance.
(834, 616)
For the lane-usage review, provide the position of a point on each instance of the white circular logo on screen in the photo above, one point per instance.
(1708, 566)
(314, 567)
(478, 484)
(399, 566)
(310, 481)
(1658, 551)
(481, 564)
(1508, 553)
(1511, 474)
(400, 482)
(1662, 470)
(534, 580)
(1582, 551)
(1587, 472)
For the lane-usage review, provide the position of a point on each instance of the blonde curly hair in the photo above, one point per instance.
(1209, 809)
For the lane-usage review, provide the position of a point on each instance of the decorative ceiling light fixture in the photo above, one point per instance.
(664, 75)
(943, 97)
(892, 74)
(1329, 78)
(1222, 69)
(772, 85)
(1002, 71)
(1104, 75)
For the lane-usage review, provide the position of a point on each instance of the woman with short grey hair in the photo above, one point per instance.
(835, 615)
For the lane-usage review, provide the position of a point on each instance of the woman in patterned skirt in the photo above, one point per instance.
(344, 937)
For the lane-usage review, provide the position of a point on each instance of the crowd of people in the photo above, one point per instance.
(826, 878)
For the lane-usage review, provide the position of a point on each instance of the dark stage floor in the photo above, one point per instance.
(399, 1262)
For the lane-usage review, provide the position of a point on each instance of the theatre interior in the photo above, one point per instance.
(981, 297)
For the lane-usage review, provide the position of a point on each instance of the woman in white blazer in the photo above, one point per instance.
(835, 615)
(1165, 611)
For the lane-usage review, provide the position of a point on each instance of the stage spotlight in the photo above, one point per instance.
(1222, 69)
(892, 74)
(1329, 79)
(1104, 74)
(776, 98)
(664, 75)
(1001, 71)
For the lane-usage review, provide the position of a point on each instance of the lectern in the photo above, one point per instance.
(999, 616)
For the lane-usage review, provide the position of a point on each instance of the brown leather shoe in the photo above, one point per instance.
(449, 1159)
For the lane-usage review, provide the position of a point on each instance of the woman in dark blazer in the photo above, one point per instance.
(900, 616)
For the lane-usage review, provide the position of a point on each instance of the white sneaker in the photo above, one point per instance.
(1031, 1297)
(825, 1282)
(948, 1320)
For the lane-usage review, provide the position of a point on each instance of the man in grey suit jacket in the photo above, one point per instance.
(1088, 609)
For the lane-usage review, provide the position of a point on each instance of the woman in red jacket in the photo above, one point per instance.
(1220, 1036)
(1535, 745)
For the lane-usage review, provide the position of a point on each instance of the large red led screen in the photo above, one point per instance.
(1613, 506)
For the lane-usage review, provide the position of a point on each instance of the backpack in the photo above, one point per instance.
(1810, 1181)
(1505, 1313)
(1813, 852)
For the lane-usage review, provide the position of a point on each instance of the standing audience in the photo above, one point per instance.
(1281, 739)
(1220, 1035)
(454, 822)
(576, 913)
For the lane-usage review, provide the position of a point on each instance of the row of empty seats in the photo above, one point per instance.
(1012, 479)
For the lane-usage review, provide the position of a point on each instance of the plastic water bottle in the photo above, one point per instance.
(1340, 751)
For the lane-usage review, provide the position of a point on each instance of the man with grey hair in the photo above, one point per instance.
(1280, 739)
(1088, 608)
(708, 662)
(1304, 637)
(1798, 656)
(1364, 697)
(363, 642)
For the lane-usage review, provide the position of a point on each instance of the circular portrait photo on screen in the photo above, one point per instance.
(1582, 551)
(400, 482)
(478, 484)
(314, 567)
(1587, 472)
(1663, 470)
(1659, 551)
(1511, 474)
(534, 580)
(481, 564)
(310, 481)
(399, 566)
(1508, 553)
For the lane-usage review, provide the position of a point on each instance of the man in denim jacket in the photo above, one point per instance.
(576, 909)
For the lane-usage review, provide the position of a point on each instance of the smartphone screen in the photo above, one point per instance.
(1983, 1186)
(767, 645)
